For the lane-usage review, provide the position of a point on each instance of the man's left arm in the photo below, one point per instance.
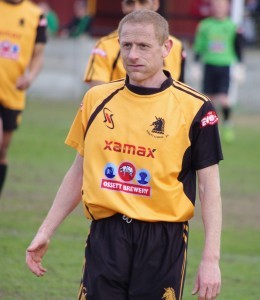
(36, 62)
(208, 281)
(34, 68)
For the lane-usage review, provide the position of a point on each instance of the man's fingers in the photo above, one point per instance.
(207, 293)
(195, 288)
(202, 293)
(34, 264)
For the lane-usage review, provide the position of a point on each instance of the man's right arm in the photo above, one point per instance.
(67, 198)
(208, 281)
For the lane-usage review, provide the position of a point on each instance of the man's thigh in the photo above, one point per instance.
(10, 118)
(135, 260)
(108, 260)
(159, 264)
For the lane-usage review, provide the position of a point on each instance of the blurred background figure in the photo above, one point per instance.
(80, 23)
(22, 40)
(200, 8)
(218, 45)
(251, 22)
(52, 18)
(105, 63)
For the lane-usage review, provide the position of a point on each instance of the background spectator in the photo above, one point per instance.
(52, 18)
(218, 44)
(200, 8)
(80, 23)
(253, 14)
(22, 42)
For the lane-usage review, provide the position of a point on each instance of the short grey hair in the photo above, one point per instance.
(145, 16)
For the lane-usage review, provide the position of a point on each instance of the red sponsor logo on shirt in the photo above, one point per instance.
(129, 149)
(126, 187)
(210, 119)
(9, 50)
(126, 171)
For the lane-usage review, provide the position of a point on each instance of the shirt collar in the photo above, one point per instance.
(149, 91)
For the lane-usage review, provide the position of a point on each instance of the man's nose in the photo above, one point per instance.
(133, 53)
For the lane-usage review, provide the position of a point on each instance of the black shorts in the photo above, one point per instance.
(128, 259)
(216, 80)
(11, 118)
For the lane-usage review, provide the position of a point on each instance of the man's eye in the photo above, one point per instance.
(130, 2)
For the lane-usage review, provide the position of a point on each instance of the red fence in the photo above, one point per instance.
(180, 15)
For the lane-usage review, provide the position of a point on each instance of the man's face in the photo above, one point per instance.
(141, 52)
(129, 6)
(220, 8)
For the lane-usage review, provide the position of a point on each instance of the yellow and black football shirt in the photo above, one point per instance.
(105, 63)
(142, 147)
(21, 26)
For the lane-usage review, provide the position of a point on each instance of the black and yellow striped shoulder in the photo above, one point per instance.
(189, 90)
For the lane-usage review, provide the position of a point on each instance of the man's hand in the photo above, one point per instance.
(35, 253)
(208, 281)
(23, 82)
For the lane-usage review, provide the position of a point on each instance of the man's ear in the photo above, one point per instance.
(167, 46)
(124, 8)
(156, 5)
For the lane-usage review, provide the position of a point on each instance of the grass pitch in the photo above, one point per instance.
(38, 161)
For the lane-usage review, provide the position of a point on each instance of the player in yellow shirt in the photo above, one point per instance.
(105, 63)
(22, 39)
(141, 143)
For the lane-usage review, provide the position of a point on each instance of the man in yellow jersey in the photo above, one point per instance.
(141, 142)
(22, 39)
(105, 63)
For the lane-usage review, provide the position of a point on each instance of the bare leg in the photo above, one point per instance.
(226, 110)
(228, 133)
(5, 139)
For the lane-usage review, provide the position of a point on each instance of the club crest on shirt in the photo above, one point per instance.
(158, 125)
(157, 130)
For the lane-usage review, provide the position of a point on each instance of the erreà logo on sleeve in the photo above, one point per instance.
(209, 119)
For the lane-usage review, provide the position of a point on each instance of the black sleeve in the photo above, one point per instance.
(205, 141)
(239, 41)
(41, 36)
